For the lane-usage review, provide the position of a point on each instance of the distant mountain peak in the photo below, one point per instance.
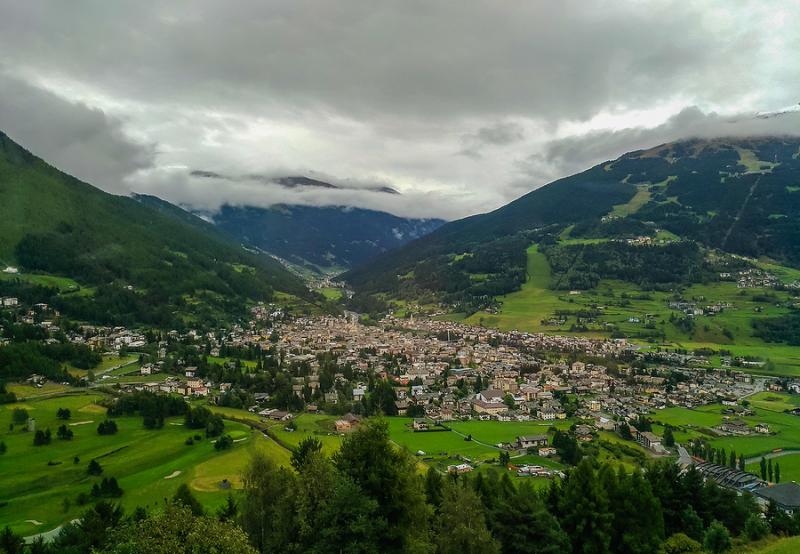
(290, 182)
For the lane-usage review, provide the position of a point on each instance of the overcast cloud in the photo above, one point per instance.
(461, 106)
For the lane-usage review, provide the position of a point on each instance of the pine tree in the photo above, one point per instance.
(769, 469)
(669, 438)
(462, 523)
(587, 518)
(777, 473)
(763, 468)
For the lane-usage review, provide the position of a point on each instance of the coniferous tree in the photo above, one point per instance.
(462, 523)
(586, 516)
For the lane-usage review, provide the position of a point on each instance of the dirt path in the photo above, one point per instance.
(174, 474)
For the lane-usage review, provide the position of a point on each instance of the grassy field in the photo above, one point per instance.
(249, 364)
(790, 467)
(789, 545)
(331, 293)
(525, 309)
(149, 465)
(698, 422)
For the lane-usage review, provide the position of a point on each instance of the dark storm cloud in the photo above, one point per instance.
(77, 139)
(381, 58)
(499, 134)
(386, 91)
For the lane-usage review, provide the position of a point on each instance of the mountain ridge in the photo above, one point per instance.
(145, 261)
(740, 194)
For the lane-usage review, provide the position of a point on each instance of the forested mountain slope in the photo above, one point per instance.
(135, 263)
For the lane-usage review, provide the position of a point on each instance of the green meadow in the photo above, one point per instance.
(39, 485)
(699, 422)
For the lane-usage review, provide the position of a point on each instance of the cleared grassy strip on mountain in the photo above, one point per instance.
(525, 309)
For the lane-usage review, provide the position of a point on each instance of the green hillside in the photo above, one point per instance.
(133, 262)
(625, 249)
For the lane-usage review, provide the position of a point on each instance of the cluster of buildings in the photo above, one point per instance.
(446, 370)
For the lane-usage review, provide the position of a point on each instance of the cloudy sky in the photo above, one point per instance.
(460, 105)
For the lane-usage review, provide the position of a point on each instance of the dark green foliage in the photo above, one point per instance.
(202, 418)
(94, 468)
(41, 438)
(386, 475)
(462, 523)
(779, 329)
(3, 448)
(21, 359)
(585, 512)
(669, 438)
(224, 442)
(184, 496)
(717, 539)
(306, 450)
(756, 527)
(64, 433)
(9, 542)
(568, 448)
(523, 525)
(107, 427)
(19, 416)
(63, 413)
(108, 488)
(6, 397)
(153, 408)
(90, 531)
(581, 266)
(176, 530)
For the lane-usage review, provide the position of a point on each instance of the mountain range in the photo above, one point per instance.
(325, 239)
(737, 195)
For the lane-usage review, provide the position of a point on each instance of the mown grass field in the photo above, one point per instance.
(644, 316)
(698, 422)
(33, 492)
(790, 545)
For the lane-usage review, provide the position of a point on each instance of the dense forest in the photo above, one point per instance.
(581, 266)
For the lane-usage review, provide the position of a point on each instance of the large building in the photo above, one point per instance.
(785, 495)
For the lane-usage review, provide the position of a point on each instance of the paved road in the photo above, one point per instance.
(756, 459)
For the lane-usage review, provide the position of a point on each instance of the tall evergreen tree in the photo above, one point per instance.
(388, 476)
(524, 525)
(586, 515)
(461, 525)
